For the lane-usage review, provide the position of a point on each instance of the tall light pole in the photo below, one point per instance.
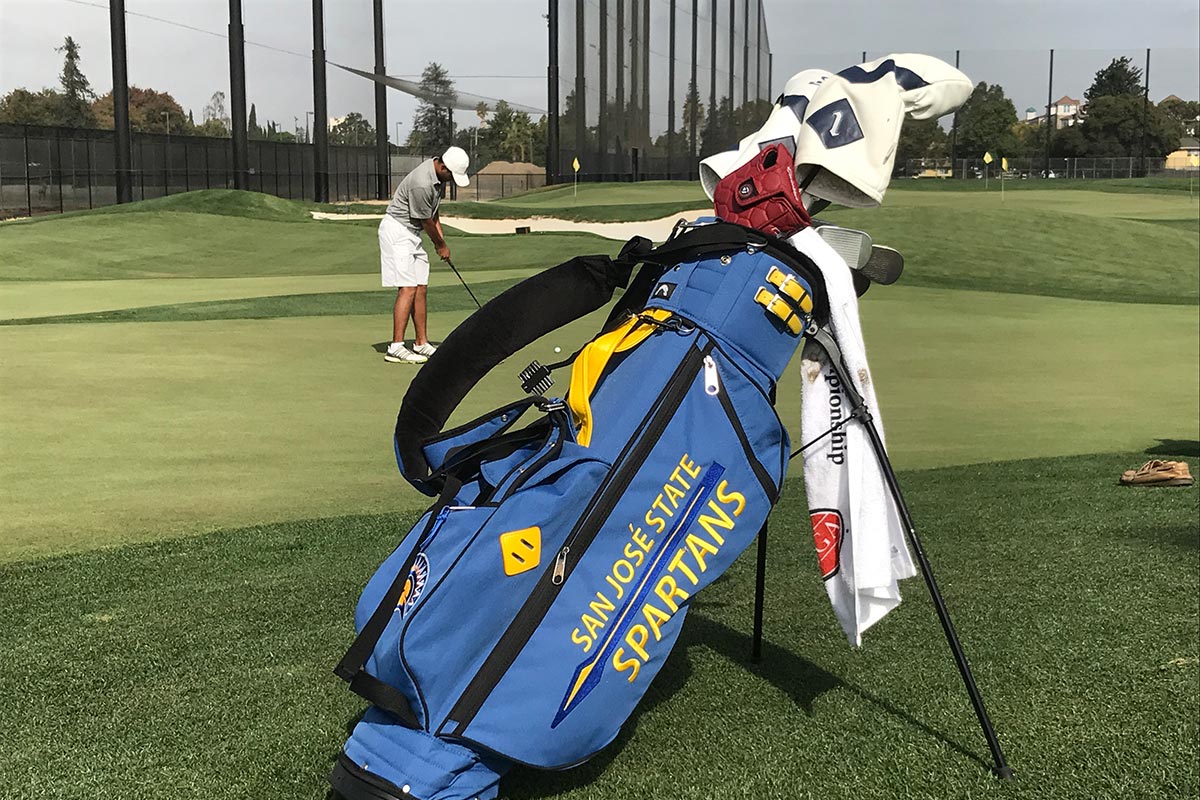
(122, 151)
(167, 154)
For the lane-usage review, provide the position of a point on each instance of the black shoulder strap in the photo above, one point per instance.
(516, 318)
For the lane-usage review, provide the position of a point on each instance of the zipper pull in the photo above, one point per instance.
(560, 566)
(712, 381)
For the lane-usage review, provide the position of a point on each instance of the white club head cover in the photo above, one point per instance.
(845, 127)
(847, 146)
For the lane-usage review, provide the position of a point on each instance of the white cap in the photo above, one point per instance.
(457, 161)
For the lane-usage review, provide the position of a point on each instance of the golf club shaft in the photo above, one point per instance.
(464, 283)
(827, 343)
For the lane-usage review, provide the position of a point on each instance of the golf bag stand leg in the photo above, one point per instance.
(760, 582)
(825, 340)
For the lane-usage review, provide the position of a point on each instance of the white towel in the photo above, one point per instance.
(856, 526)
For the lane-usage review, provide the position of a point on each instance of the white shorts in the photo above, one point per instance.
(402, 260)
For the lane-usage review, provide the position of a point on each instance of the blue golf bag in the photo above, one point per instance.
(525, 614)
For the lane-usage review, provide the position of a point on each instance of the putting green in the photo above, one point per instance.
(127, 431)
(29, 299)
(1074, 201)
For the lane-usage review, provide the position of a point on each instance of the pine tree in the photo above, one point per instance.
(431, 131)
(252, 129)
(693, 111)
(1119, 78)
(77, 94)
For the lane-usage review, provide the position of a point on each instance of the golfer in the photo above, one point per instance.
(403, 262)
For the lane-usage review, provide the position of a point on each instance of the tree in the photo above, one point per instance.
(215, 110)
(23, 107)
(693, 112)
(985, 121)
(213, 128)
(353, 129)
(77, 94)
(1114, 128)
(1118, 78)
(150, 111)
(719, 133)
(431, 129)
(1066, 143)
(920, 139)
(517, 142)
(1184, 113)
(750, 116)
(274, 134)
(252, 129)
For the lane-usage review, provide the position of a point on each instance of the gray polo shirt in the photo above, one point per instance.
(417, 197)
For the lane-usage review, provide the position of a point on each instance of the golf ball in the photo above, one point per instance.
(558, 349)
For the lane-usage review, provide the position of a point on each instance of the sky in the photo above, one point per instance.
(497, 48)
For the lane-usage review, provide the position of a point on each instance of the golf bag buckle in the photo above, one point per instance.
(550, 405)
(781, 309)
(788, 285)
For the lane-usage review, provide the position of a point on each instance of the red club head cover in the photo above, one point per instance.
(763, 194)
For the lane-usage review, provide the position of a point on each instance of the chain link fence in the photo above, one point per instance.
(1024, 168)
(52, 170)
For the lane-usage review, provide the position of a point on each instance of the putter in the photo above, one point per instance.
(464, 283)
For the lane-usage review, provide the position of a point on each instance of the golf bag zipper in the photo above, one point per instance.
(756, 466)
(537, 605)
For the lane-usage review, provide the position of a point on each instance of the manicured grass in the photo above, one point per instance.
(222, 202)
(202, 667)
(1151, 185)
(179, 244)
(176, 427)
(591, 202)
(598, 213)
(165, 649)
(1065, 244)
(329, 304)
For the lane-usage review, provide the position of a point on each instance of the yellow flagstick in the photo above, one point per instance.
(1003, 169)
(987, 161)
(575, 165)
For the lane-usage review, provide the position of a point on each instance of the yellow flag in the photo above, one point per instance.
(1004, 164)
(987, 158)
(575, 164)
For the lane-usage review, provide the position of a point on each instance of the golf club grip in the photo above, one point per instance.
(504, 325)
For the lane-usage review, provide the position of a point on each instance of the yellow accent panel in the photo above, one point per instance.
(583, 675)
(788, 284)
(594, 357)
(780, 308)
(522, 550)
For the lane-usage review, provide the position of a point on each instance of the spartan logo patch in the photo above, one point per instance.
(664, 291)
(418, 576)
(827, 536)
(836, 124)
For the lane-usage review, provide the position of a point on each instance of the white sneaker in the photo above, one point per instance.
(426, 349)
(399, 354)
